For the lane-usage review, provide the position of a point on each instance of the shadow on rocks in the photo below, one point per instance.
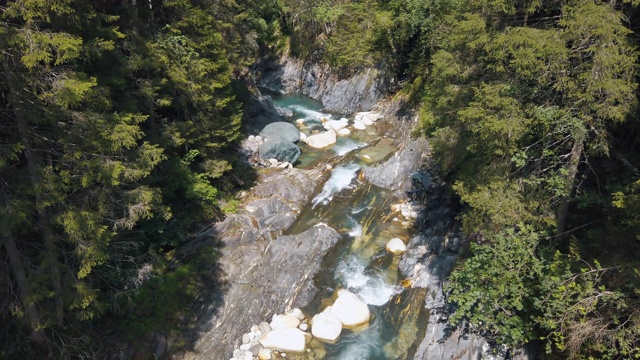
(166, 314)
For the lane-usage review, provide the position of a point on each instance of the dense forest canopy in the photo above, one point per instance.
(118, 121)
(531, 106)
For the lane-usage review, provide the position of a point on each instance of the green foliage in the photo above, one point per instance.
(490, 203)
(522, 101)
(117, 126)
(627, 204)
(495, 287)
(586, 311)
(118, 122)
(351, 35)
(160, 302)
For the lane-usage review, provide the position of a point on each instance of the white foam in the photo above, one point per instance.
(358, 210)
(360, 350)
(377, 292)
(356, 230)
(351, 273)
(362, 345)
(309, 114)
(347, 145)
(371, 288)
(341, 178)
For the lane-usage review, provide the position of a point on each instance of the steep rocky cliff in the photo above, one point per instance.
(359, 92)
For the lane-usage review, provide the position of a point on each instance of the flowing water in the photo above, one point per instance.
(308, 116)
(361, 213)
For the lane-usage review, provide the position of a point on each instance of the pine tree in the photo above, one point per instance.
(75, 162)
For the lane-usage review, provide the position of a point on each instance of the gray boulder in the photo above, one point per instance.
(279, 149)
(281, 131)
(286, 112)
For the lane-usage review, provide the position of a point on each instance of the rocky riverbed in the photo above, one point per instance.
(363, 216)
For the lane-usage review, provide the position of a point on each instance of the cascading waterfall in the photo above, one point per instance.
(369, 284)
(341, 178)
(309, 114)
(345, 145)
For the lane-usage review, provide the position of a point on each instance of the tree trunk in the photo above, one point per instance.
(43, 214)
(21, 279)
(574, 160)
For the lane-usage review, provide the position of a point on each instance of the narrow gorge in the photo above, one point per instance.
(305, 232)
(319, 179)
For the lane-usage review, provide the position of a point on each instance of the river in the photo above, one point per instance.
(361, 213)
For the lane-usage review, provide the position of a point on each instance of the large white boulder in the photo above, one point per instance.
(373, 117)
(350, 310)
(326, 326)
(287, 339)
(336, 125)
(366, 121)
(396, 246)
(284, 321)
(358, 125)
(264, 354)
(296, 312)
(321, 140)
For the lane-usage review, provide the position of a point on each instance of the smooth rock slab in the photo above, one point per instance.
(350, 310)
(326, 326)
(344, 132)
(396, 246)
(395, 173)
(321, 140)
(284, 269)
(285, 340)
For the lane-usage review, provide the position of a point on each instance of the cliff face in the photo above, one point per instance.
(359, 92)
(265, 272)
